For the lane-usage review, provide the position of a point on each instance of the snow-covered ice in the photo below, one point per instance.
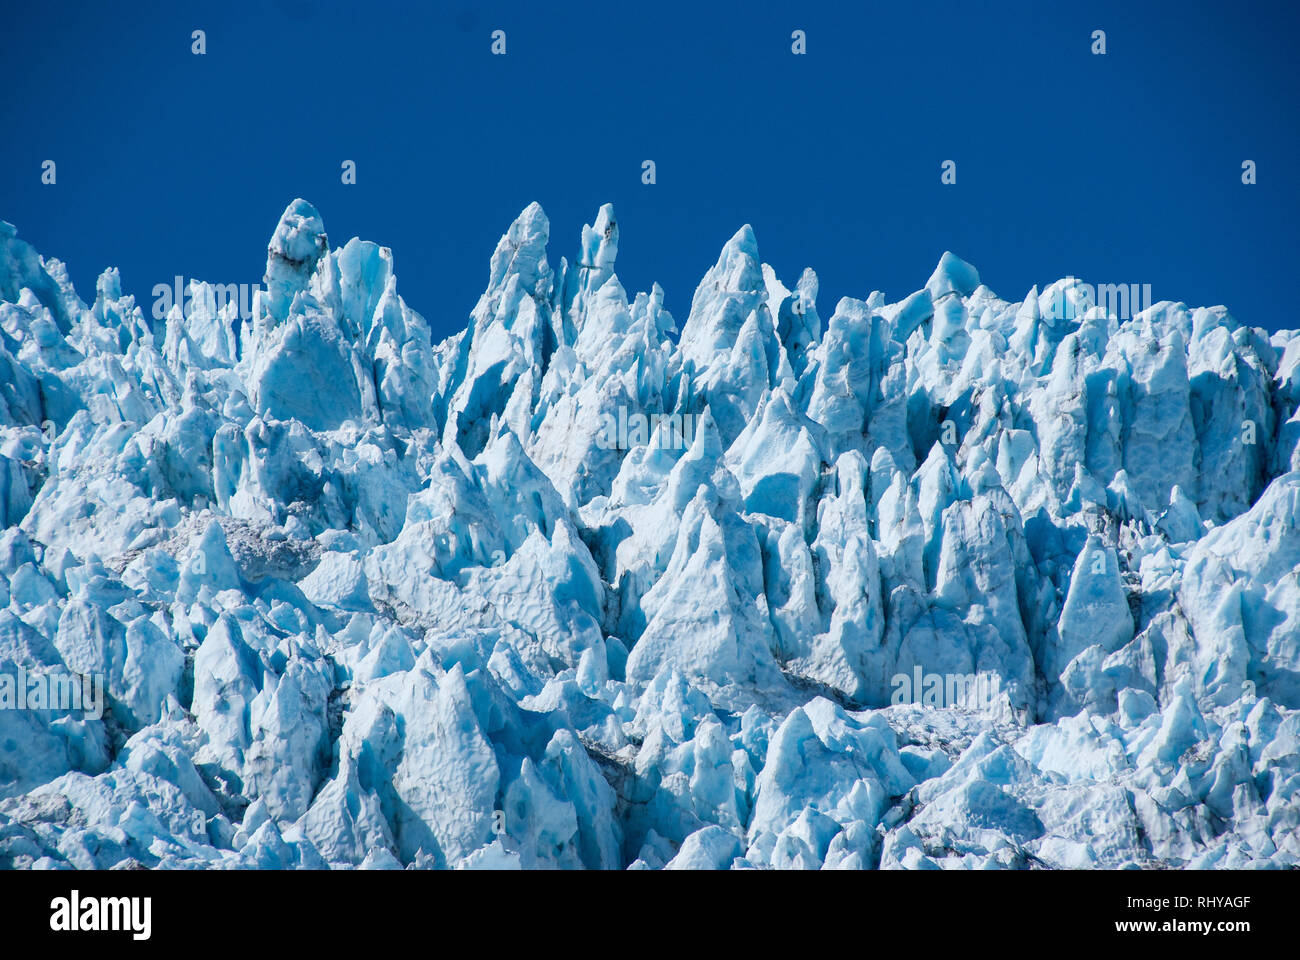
(361, 599)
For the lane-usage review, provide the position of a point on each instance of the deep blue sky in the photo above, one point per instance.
(1124, 168)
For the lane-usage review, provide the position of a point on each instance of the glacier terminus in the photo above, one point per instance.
(948, 582)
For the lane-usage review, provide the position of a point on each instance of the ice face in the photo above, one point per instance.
(951, 581)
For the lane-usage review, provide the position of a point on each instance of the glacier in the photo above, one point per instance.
(360, 599)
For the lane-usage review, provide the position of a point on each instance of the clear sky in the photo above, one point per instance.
(1122, 168)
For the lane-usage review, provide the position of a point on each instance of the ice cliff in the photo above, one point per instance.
(358, 598)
